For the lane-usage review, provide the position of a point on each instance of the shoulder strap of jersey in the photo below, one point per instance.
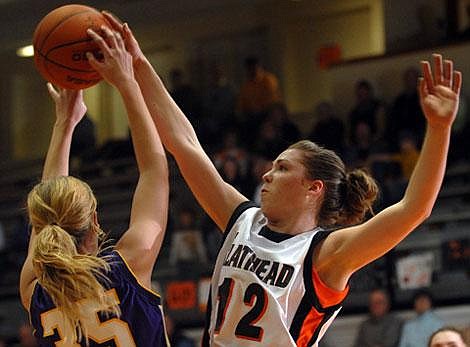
(227, 237)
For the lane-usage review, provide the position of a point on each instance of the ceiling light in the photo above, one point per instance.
(26, 51)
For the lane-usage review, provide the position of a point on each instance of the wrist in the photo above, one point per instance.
(64, 125)
(139, 61)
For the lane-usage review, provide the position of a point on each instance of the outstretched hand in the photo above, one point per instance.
(130, 41)
(439, 94)
(69, 104)
(116, 67)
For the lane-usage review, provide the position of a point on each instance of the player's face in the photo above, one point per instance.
(285, 186)
(447, 339)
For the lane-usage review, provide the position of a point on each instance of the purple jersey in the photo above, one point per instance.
(140, 323)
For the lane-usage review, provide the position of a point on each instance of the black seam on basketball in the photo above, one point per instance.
(58, 24)
(67, 44)
(61, 65)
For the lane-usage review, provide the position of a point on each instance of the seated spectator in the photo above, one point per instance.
(357, 154)
(447, 337)
(406, 114)
(328, 130)
(176, 335)
(231, 149)
(187, 247)
(26, 337)
(381, 329)
(288, 131)
(259, 166)
(219, 106)
(368, 109)
(393, 170)
(83, 145)
(259, 91)
(417, 331)
(187, 98)
(232, 173)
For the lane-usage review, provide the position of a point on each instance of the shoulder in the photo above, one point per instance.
(246, 212)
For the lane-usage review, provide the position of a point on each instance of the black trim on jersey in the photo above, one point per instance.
(245, 205)
(310, 298)
(205, 341)
(274, 236)
(325, 319)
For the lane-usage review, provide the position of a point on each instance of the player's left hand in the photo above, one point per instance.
(69, 105)
(439, 94)
(116, 66)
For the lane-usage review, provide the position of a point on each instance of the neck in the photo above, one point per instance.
(295, 225)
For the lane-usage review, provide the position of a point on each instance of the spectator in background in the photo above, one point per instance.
(26, 337)
(232, 173)
(357, 154)
(368, 110)
(288, 131)
(277, 132)
(83, 145)
(231, 149)
(447, 337)
(176, 335)
(406, 114)
(328, 129)
(187, 247)
(416, 331)
(219, 105)
(257, 94)
(259, 165)
(186, 98)
(381, 329)
(393, 170)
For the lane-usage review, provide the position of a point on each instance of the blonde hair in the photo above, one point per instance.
(61, 212)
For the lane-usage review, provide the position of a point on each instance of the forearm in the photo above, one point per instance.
(57, 158)
(427, 177)
(148, 148)
(172, 124)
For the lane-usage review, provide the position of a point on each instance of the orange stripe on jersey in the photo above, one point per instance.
(326, 295)
(310, 325)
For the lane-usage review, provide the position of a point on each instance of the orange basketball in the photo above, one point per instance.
(60, 44)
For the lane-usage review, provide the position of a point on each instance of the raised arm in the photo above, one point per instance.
(349, 249)
(69, 109)
(217, 198)
(141, 243)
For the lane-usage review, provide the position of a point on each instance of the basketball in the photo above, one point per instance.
(60, 44)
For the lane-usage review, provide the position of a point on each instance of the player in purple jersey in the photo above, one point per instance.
(76, 293)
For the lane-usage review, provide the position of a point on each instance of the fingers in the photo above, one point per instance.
(100, 42)
(110, 35)
(448, 72)
(52, 92)
(116, 24)
(438, 75)
(444, 75)
(457, 83)
(422, 88)
(427, 76)
(95, 64)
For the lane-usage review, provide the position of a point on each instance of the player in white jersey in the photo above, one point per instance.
(284, 290)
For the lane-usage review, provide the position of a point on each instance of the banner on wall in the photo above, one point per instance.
(415, 271)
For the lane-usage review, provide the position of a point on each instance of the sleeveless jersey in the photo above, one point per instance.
(140, 323)
(264, 290)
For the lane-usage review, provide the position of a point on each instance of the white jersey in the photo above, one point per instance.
(262, 291)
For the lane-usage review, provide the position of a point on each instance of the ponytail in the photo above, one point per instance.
(359, 193)
(70, 277)
(61, 211)
(348, 196)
